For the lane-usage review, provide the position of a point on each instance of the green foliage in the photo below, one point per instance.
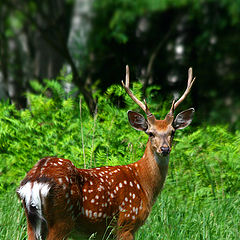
(123, 14)
(52, 126)
(205, 162)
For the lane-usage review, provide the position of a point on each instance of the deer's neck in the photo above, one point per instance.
(153, 170)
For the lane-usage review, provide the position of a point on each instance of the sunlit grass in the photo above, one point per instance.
(170, 219)
(206, 219)
(12, 218)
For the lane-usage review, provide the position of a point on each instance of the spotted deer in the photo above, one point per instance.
(60, 199)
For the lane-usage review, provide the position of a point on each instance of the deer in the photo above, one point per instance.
(61, 200)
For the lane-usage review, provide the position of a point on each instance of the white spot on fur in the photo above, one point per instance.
(44, 190)
(90, 213)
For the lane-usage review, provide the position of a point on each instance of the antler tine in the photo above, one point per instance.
(131, 95)
(172, 107)
(188, 89)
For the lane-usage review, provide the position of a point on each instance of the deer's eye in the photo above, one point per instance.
(151, 134)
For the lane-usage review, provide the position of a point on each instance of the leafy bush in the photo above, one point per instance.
(55, 126)
(204, 161)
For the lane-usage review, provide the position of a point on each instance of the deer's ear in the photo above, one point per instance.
(137, 121)
(183, 119)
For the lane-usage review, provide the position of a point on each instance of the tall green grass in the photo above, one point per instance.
(170, 219)
(206, 219)
(12, 218)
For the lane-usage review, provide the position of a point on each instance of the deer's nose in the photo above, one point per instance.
(165, 150)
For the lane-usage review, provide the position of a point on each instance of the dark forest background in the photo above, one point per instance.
(94, 40)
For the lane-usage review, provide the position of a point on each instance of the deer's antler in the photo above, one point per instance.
(142, 105)
(187, 91)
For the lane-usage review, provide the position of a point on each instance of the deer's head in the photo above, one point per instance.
(160, 132)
